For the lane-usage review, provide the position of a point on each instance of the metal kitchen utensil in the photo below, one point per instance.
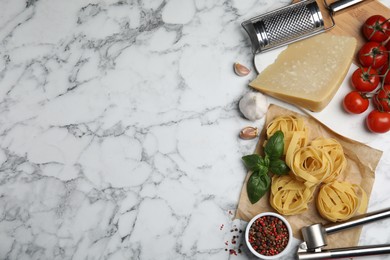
(290, 24)
(314, 238)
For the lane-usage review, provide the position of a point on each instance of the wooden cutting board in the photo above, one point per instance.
(350, 20)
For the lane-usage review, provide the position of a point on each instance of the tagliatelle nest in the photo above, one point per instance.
(336, 153)
(293, 128)
(289, 196)
(339, 201)
(311, 165)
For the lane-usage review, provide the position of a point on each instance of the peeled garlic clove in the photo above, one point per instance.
(241, 70)
(249, 132)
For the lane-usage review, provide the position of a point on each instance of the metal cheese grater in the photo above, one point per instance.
(290, 24)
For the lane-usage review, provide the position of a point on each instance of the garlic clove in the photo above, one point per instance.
(249, 132)
(241, 70)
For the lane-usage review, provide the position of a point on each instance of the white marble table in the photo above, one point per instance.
(118, 130)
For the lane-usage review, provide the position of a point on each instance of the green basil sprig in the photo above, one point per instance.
(259, 181)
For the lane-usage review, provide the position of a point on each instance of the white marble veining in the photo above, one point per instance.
(119, 129)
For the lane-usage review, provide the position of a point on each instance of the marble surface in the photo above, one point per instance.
(119, 130)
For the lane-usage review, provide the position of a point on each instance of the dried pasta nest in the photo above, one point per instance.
(289, 196)
(293, 128)
(339, 201)
(311, 165)
(336, 153)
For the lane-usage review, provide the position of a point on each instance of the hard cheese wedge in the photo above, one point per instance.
(308, 73)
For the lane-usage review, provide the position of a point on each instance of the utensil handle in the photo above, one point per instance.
(345, 252)
(342, 4)
(359, 220)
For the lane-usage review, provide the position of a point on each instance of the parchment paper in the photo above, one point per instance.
(361, 163)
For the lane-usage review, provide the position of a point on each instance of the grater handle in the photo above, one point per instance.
(342, 4)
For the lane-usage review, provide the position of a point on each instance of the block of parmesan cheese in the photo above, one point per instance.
(308, 73)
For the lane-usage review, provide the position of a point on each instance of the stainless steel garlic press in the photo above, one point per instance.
(315, 239)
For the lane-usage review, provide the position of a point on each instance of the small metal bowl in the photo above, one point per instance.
(286, 248)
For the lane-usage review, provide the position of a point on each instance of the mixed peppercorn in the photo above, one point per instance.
(268, 235)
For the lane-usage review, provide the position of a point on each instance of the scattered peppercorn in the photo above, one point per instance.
(268, 235)
(232, 252)
(235, 246)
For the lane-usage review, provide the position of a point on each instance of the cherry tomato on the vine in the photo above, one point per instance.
(376, 28)
(373, 54)
(365, 79)
(354, 102)
(372, 79)
(382, 99)
(378, 122)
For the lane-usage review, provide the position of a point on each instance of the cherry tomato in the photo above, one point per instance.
(373, 54)
(382, 99)
(378, 122)
(376, 28)
(354, 102)
(365, 79)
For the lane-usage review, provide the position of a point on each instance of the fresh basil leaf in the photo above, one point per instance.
(253, 162)
(257, 185)
(266, 160)
(278, 167)
(275, 146)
